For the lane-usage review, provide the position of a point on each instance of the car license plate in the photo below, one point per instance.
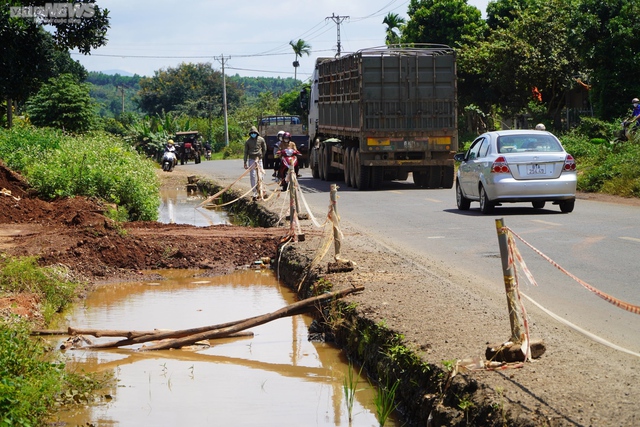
(536, 169)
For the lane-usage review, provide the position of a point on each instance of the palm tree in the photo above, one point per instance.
(393, 22)
(299, 48)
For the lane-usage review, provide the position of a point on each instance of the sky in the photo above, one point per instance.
(251, 35)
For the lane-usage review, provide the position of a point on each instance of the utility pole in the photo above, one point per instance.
(222, 60)
(338, 20)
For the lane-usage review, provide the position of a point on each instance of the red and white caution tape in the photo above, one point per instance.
(610, 299)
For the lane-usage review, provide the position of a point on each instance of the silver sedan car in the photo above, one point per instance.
(516, 166)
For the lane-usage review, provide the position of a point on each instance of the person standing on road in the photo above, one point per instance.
(254, 150)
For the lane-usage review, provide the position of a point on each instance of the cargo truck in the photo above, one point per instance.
(384, 113)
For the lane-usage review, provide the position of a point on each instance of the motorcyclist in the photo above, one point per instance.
(288, 143)
(289, 159)
(635, 114)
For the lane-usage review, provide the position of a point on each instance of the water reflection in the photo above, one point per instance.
(275, 377)
(179, 207)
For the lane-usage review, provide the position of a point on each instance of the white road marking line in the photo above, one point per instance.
(435, 237)
(633, 239)
(396, 191)
(545, 222)
(433, 200)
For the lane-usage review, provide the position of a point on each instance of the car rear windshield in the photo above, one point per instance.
(528, 143)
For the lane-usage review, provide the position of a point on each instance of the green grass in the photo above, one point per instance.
(31, 382)
(349, 387)
(49, 283)
(384, 402)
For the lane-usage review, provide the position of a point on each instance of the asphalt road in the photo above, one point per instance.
(598, 242)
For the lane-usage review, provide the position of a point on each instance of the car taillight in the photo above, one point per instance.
(500, 165)
(569, 163)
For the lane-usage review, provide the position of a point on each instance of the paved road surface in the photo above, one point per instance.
(598, 242)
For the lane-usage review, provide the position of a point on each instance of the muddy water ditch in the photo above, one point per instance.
(178, 206)
(276, 377)
(425, 393)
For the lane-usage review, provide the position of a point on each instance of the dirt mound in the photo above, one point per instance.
(75, 232)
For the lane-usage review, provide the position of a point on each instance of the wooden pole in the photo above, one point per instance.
(335, 219)
(283, 312)
(509, 281)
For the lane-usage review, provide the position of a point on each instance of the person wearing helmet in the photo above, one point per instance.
(254, 150)
(540, 126)
(634, 115)
(288, 143)
(276, 154)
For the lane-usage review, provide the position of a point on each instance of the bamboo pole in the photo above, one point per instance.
(335, 219)
(283, 312)
(509, 281)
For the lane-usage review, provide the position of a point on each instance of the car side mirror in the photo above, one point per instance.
(460, 157)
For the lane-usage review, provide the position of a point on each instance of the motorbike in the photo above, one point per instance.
(169, 159)
(207, 154)
(288, 161)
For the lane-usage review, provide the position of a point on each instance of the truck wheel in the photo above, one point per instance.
(435, 176)
(352, 169)
(361, 173)
(448, 176)
(347, 166)
(321, 163)
(327, 163)
(198, 160)
(418, 178)
(377, 176)
(314, 168)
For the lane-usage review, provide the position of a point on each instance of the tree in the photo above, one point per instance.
(300, 48)
(63, 103)
(513, 62)
(394, 22)
(31, 55)
(606, 38)
(193, 89)
(442, 21)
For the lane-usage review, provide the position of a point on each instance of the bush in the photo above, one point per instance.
(28, 383)
(234, 150)
(31, 383)
(93, 165)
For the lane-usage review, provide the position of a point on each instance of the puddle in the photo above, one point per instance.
(179, 207)
(276, 377)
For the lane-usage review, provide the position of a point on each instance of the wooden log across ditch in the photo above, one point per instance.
(185, 337)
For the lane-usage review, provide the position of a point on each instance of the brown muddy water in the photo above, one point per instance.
(180, 207)
(277, 377)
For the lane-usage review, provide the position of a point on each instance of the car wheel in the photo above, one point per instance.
(486, 205)
(462, 202)
(538, 205)
(567, 206)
